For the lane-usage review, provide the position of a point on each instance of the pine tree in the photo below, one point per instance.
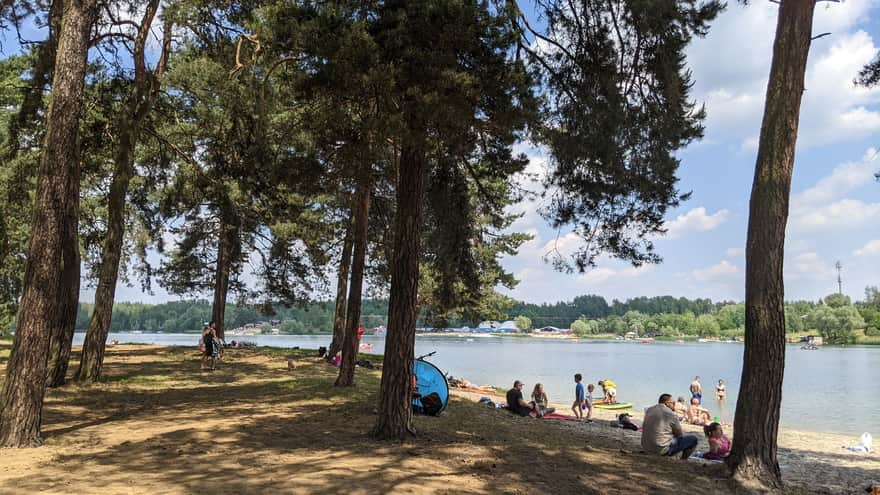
(753, 455)
(53, 227)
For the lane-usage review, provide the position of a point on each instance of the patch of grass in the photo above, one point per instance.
(861, 339)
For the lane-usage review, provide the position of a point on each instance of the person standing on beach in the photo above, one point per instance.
(579, 398)
(208, 345)
(697, 390)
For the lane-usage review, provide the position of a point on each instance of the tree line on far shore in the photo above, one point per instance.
(836, 318)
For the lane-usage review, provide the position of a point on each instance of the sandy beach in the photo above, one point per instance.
(813, 461)
(158, 425)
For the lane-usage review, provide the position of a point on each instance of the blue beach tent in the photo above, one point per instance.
(430, 379)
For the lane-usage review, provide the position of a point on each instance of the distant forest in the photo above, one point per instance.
(588, 314)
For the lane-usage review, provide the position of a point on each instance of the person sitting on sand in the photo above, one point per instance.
(610, 390)
(681, 409)
(719, 444)
(720, 390)
(515, 402)
(698, 415)
(661, 431)
(540, 401)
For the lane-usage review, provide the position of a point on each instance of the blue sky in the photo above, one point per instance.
(835, 211)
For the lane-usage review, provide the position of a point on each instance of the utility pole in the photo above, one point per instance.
(839, 267)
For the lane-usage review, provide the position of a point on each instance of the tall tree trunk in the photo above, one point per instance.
(140, 103)
(61, 340)
(395, 392)
(341, 294)
(361, 214)
(756, 422)
(225, 252)
(43, 294)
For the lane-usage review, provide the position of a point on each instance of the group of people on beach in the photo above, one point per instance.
(662, 433)
(583, 399)
(661, 429)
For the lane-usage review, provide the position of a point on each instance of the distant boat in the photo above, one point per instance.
(468, 340)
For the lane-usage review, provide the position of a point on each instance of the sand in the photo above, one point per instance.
(158, 425)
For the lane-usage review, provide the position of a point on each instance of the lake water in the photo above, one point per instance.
(834, 389)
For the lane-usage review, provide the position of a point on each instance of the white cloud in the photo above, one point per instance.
(843, 178)
(597, 275)
(602, 274)
(722, 270)
(833, 108)
(809, 265)
(845, 214)
(824, 207)
(696, 220)
(735, 252)
(872, 248)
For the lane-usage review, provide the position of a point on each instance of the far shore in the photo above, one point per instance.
(860, 341)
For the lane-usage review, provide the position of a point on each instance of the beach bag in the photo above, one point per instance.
(431, 404)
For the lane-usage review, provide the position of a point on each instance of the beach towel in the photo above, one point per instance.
(560, 417)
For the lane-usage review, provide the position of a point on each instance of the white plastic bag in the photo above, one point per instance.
(867, 442)
(865, 446)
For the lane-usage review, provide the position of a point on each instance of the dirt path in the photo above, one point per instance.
(158, 425)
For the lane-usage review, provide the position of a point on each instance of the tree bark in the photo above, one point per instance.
(361, 214)
(394, 419)
(140, 102)
(753, 459)
(57, 204)
(341, 294)
(61, 340)
(225, 253)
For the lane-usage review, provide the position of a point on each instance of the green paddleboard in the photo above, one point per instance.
(620, 405)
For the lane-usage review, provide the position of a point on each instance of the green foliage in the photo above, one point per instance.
(707, 326)
(836, 325)
(523, 322)
(580, 328)
(619, 99)
(837, 300)
(872, 297)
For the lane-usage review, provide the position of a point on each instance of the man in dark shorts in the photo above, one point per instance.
(515, 402)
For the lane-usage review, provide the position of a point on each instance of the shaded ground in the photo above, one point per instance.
(159, 425)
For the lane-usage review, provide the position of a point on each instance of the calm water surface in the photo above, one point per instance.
(834, 389)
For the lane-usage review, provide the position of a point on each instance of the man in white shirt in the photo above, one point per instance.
(661, 431)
